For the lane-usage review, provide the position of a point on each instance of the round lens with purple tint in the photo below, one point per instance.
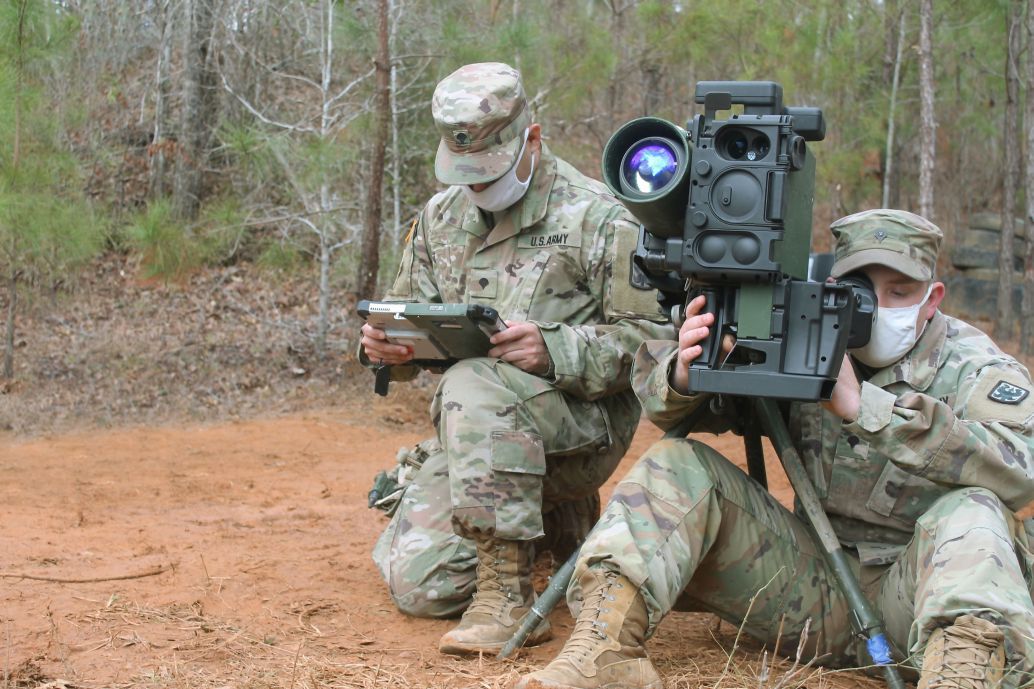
(649, 166)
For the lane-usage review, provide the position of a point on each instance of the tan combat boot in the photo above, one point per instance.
(503, 597)
(967, 655)
(607, 647)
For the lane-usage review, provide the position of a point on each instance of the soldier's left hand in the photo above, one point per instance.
(521, 344)
(846, 400)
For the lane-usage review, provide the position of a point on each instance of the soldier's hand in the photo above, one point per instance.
(695, 329)
(846, 400)
(521, 344)
(379, 350)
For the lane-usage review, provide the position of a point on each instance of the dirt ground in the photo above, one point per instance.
(183, 490)
(237, 555)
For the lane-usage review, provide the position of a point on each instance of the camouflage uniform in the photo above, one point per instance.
(923, 491)
(510, 443)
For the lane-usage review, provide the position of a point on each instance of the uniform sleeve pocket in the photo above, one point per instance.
(902, 495)
(630, 296)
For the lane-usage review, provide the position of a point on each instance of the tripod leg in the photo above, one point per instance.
(869, 626)
(543, 606)
(755, 454)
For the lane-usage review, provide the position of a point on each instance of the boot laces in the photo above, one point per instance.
(965, 665)
(589, 630)
(490, 590)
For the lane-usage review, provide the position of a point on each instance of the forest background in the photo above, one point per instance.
(171, 166)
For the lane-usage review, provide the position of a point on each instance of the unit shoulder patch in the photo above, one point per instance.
(1007, 393)
(1001, 394)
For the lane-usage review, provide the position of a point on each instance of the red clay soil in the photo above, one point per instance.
(238, 555)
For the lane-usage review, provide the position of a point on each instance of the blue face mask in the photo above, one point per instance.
(505, 191)
(893, 334)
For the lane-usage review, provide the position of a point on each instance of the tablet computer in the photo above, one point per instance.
(439, 334)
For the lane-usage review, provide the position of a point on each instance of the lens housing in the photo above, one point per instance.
(742, 143)
(646, 166)
(649, 166)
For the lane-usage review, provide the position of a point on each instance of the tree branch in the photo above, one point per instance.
(139, 575)
(261, 116)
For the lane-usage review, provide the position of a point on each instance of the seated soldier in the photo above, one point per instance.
(924, 462)
(526, 436)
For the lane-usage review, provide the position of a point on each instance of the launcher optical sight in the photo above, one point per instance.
(725, 211)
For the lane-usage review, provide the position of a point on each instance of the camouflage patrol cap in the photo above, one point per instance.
(481, 112)
(904, 241)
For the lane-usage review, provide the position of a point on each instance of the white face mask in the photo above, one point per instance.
(505, 191)
(893, 334)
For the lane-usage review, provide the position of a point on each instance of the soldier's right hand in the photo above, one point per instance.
(379, 351)
(695, 329)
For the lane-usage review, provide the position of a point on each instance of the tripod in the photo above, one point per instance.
(867, 623)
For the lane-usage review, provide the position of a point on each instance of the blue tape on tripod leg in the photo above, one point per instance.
(879, 650)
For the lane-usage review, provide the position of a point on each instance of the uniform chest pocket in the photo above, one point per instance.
(901, 495)
(517, 280)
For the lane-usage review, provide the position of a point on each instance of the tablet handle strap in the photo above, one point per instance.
(381, 378)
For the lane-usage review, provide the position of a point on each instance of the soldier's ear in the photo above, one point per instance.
(534, 135)
(937, 291)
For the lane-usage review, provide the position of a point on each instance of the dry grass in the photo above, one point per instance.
(731, 662)
(193, 649)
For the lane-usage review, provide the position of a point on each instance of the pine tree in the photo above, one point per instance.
(46, 226)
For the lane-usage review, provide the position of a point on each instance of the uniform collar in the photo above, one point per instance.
(919, 367)
(532, 208)
(528, 211)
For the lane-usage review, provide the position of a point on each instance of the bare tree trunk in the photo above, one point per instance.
(15, 162)
(615, 89)
(888, 168)
(1005, 315)
(652, 96)
(821, 41)
(161, 101)
(369, 251)
(396, 161)
(23, 8)
(323, 325)
(200, 108)
(516, 15)
(1027, 312)
(12, 304)
(961, 204)
(891, 41)
(326, 249)
(928, 123)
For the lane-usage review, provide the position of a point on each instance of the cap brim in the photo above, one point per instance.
(475, 168)
(883, 257)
